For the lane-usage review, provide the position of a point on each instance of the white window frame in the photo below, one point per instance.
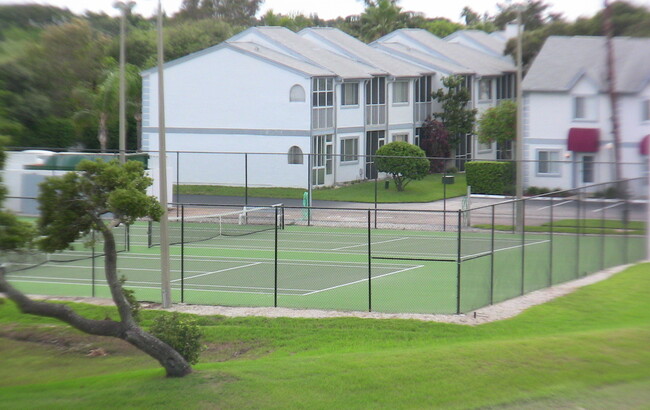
(346, 89)
(485, 84)
(483, 148)
(346, 144)
(295, 155)
(589, 106)
(400, 136)
(404, 92)
(553, 164)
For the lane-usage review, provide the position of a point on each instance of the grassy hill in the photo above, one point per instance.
(588, 349)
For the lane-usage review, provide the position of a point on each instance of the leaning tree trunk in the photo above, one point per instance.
(126, 329)
(102, 133)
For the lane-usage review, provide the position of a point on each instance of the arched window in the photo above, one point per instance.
(295, 155)
(297, 94)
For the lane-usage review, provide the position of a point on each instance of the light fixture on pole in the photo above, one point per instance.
(165, 283)
(124, 7)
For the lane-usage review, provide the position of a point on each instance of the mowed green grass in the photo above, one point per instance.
(588, 349)
(426, 190)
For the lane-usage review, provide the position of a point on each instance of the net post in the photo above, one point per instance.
(492, 257)
(369, 264)
(522, 207)
(149, 234)
(458, 262)
(550, 253)
(275, 261)
(93, 265)
(182, 253)
(578, 219)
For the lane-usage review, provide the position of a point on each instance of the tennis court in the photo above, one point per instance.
(344, 259)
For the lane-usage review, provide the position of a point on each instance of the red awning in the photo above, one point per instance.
(644, 146)
(583, 139)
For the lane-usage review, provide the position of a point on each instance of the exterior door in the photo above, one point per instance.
(374, 140)
(322, 172)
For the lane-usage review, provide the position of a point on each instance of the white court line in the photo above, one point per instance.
(607, 207)
(218, 271)
(362, 280)
(561, 203)
(371, 243)
(505, 249)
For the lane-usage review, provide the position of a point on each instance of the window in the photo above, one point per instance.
(504, 150)
(506, 87)
(547, 162)
(416, 136)
(350, 94)
(400, 92)
(423, 89)
(588, 169)
(349, 150)
(484, 147)
(485, 89)
(400, 137)
(584, 108)
(297, 94)
(645, 110)
(295, 155)
(323, 103)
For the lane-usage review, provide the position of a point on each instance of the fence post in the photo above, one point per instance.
(177, 199)
(376, 198)
(458, 262)
(369, 264)
(522, 206)
(93, 265)
(245, 180)
(550, 253)
(578, 223)
(626, 217)
(182, 253)
(492, 259)
(603, 248)
(275, 262)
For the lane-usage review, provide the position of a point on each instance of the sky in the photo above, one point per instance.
(329, 9)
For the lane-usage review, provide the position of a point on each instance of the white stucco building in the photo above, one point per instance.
(321, 101)
(567, 112)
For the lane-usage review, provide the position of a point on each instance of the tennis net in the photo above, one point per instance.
(198, 228)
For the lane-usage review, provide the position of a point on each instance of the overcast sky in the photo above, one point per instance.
(328, 9)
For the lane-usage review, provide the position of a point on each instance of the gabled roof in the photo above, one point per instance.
(360, 51)
(257, 51)
(562, 61)
(480, 63)
(298, 47)
(421, 58)
(480, 40)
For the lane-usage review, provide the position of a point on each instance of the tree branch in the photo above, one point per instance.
(61, 312)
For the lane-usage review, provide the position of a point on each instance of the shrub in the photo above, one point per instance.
(182, 334)
(490, 177)
(403, 161)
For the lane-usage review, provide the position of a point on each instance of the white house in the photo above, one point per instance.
(489, 78)
(567, 112)
(318, 104)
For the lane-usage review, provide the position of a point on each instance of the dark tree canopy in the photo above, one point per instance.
(457, 119)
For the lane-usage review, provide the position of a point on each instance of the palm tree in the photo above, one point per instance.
(101, 104)
(380, 18)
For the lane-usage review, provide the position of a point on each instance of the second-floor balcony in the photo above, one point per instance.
(375, 114)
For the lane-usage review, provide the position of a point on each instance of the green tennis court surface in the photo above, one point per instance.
(334, 268)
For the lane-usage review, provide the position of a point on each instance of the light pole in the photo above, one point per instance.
(124, 7)
(165, 284)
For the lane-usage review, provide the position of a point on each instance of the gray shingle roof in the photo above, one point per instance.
(480, 63)
(422, 58)
(281, 59)
(492, 44)
(299, 47)
(564, 60)
(362, 52)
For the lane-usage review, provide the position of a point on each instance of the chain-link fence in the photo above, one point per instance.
(379, 259)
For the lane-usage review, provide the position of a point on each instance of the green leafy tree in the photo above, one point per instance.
(442, 27)
(380, 18)
(457, 119)
(434, 140)
(498, 123)
(403, 161)
(241, 12)
(14, 233)
(98, 196)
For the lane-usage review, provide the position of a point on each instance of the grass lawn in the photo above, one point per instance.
(585, 350)
(426, 190)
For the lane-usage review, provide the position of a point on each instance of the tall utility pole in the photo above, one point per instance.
(611, 90)
(124, 7)
(165, 282)
(519, 140)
